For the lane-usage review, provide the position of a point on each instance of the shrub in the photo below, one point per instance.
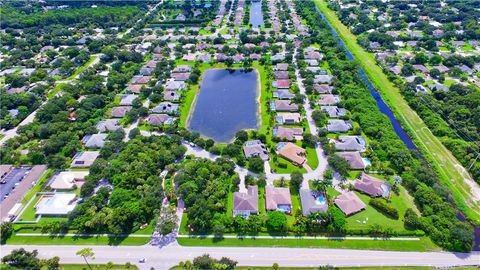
(282, 165)
(383, 207)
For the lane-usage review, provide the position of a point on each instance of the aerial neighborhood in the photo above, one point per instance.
(161, 124)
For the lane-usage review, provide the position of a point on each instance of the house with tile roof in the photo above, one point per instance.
(246, 203)
(349, 203)
(372, 186)
(278, 199)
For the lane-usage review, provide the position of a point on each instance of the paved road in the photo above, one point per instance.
(169, 256)
(13, 132)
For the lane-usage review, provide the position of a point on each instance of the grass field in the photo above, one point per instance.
(355, 222)
(57, 89)
(424, 244)
(71, 240)
(450, 171)
(83, 67)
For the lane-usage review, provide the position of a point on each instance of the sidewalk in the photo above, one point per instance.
(320, 237)
(84, 235)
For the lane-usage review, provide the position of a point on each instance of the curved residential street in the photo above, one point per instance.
(307, 257)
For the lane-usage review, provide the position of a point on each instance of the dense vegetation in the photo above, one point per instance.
(204, 187)
(134, 172)
(466, 12)
(451, 115)
(454, 117)
(60, 136)
(438, 210)
(102, 16)
(23, 259)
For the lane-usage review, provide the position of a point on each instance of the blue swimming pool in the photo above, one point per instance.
(320, 200)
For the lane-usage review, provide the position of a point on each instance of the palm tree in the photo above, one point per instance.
(321, 185)
(86, 253)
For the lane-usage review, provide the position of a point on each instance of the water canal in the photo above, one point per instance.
(374, 92)
(388, 112)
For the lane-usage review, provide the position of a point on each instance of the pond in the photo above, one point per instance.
(256, 16)
(226, 103)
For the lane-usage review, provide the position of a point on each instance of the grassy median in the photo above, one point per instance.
(424, 244)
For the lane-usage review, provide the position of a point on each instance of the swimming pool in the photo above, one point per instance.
(320, 200)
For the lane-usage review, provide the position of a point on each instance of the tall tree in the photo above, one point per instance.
(86, 253)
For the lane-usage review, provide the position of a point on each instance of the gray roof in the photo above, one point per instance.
(333, 111)
(165, 107)
(309, 202)
(372, 186)
(127, 99)
(354, 159)
(108, 125)
(283, 94)
(84, 159)
(246, 202)
(323, 78)
(255, 148)
(175, 85)
(335, 125)
(277, 196)
(350, 143)
(283, 105)
(120, 111)
(438, 86)
(94, 140)
(171, 95)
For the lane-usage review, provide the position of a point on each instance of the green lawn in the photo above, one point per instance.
(38, 187)
(449, 169)
(424, 244)
(29, 212)
(312, 158)
(230, 204)
(331, 192)
(355, 222)
(203, 32)
(261, 200)
(57, 89)
(83, 67)
(290, 167)
(296, 206)
(71, 240)
(186, 105)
